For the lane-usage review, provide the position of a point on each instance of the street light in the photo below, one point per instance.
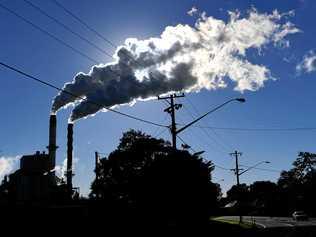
(241, 100)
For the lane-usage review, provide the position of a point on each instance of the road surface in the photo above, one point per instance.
(270, 222)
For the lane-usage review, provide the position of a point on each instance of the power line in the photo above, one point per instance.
(71, 31)
(221, 167)
(67, 28)
(84, 23)
(216, 165)
(260, 129)
(186, 143)
(76, 96)
(229, 169)
(263, 169)
(72, 48)
(160, 133)
(49, 34)
(223, 145)
(157, 131)
(105, 39)
(56, 38)
(113, 45)
(205, 141)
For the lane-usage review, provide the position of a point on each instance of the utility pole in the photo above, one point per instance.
(171, 110)
(236, 154)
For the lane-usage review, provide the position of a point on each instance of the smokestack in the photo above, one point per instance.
(97, 161)
(69, 156)
(52, 142)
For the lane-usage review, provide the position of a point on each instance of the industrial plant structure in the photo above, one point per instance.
(36, 180)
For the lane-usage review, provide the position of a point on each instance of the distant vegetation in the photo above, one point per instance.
(294, 190)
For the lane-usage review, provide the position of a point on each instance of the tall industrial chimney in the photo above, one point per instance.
(69, 157)
(97, 161)
(52, 142)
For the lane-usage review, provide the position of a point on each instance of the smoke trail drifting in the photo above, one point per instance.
(183, 58)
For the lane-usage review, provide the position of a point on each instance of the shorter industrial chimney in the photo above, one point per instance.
(52, 142)
(69, 157)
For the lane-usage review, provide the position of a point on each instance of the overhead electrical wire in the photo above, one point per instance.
(225, 147)
(115, 46)
(193, 150)
(215, 148)
(157, 131)
(90, 28)
(26, 75)
(61, 41)
(221, 167)
(84, 23)
(260, 129)
(49, 34)
(229, 169)
(109, 55)
(68, 28)
(161, 132)
(65, 27)
(185, 143)
(263, 169)
(72, 48)
(58, 39)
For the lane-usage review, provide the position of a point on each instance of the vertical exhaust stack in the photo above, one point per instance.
(97, 161)
(52, 143)
(69, 156)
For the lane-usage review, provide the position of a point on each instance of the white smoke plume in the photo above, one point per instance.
(192, 11)
(61, 169)
(184, 58)
(308, 63)
(7, 165)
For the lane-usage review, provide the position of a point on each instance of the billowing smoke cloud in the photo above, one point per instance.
(7, 165)
(183, 58)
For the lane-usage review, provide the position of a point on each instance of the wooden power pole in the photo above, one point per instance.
(171, 110)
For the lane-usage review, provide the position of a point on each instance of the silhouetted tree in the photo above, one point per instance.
(118, 172)
(240, 192)
(265, 198)
(241, 195)
(160, 184)
(296, 185)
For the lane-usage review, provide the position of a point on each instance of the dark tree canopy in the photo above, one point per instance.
(265, 198)
(240, 193)
(298, 184)
(145, 174)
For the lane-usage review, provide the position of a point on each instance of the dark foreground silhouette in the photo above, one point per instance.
(146, 184)
(155, 183)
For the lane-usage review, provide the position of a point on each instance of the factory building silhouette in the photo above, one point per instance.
(36, 180)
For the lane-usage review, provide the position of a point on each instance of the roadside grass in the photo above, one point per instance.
(245, 224)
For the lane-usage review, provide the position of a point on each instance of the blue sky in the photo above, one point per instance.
(286, 102)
